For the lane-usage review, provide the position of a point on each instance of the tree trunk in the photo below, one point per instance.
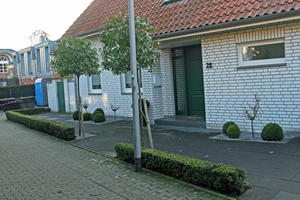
(148, 124)
(79, 102)
(141, 110)
(252, 129)
(82, 121)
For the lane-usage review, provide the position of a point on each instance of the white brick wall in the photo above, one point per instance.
(229, 90)
(167, 86)
(112, 93)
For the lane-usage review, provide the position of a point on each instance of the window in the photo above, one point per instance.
(170, 1)
(38, 61)
(3, 62)
(29, 63)
(22, 64)
(269, 53)
(126, 82)
(95, 84)
(47, 58)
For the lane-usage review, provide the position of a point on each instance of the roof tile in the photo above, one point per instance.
(179, 15)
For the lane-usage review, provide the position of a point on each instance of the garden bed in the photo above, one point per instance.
(247, 136)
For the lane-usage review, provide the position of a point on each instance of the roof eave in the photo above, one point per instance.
(87, 34)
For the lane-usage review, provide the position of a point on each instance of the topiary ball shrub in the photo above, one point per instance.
(233, 131)
(87, 116)
(98, 110)
(98, 118)
(272, 132)
(226, 125)
(75, 115)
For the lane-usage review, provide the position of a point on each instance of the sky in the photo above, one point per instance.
(20, 18)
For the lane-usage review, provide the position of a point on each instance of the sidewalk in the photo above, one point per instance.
(37, 166)
(272, 169)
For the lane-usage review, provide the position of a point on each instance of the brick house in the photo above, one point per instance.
(6, 66)
(215, 55)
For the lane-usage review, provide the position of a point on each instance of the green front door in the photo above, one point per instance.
(61, 97)
(194, 81)
(188, 81)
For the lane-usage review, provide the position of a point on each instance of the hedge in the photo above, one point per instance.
(50, 127)
(220, 177)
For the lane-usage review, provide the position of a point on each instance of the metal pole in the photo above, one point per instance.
(136, 120)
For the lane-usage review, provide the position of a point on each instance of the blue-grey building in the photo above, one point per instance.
(33, 62)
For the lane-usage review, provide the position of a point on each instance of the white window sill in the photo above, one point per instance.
(262, 65)
(95, 92)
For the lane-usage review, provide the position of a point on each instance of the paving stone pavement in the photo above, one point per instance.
(38, 166)
(272, 169)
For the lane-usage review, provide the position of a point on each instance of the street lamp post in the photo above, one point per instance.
(136, 120)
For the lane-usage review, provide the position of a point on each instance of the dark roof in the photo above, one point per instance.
(180, 15)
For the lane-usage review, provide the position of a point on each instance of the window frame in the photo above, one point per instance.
(128, 90)
(124, 89)
(262, 62)
(4, 64)
(94, 91)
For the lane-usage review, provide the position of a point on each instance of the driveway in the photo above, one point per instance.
(272, 169)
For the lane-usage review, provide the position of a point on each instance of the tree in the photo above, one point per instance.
(115, 51)
(255, 113)
(75, 56)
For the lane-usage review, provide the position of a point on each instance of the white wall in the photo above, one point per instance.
(52, 95)
(112, 93)
(229, 90)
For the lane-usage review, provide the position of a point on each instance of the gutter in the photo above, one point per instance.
(273, 18)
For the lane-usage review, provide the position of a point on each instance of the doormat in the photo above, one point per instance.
(192, 118)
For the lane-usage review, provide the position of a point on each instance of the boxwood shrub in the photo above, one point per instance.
(272, 132)
(98, 118)
(75, 115)
(98, 110)
(50, 127)
(226, 126)
(87, 116)
(220, 177)
(233, 131)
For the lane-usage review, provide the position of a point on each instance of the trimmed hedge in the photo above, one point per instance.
(220, 177)
(50, 127)
(33, 111)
